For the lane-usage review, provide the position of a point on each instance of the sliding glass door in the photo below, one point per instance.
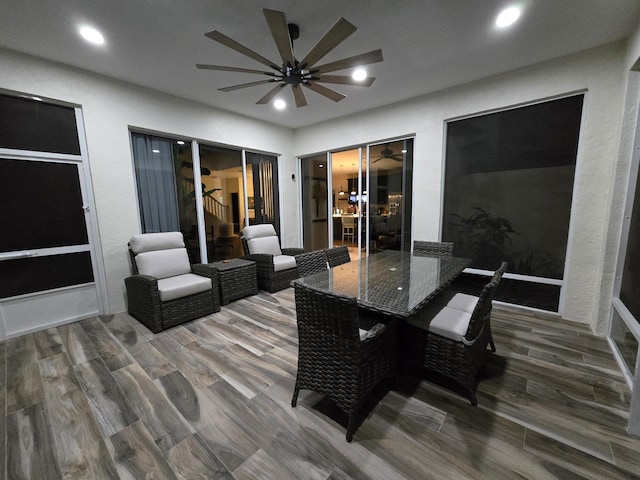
(360, 198)
(199, 190)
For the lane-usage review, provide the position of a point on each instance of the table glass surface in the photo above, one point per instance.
(390, 282)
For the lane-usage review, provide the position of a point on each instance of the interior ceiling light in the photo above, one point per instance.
(280, 104)
(92, 35)
(359, 75)
(507, 17)
(292, 72)
(341, 192)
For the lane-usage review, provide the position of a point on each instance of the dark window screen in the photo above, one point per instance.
(27, 124)
(27, 275)
(630, 286)
(508, 187)
(40, 205)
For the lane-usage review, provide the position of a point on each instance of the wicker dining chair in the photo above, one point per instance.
(311, 262)
(467, 302)
(450, 341)
(422, 248)
(337, 256)
(335, 356)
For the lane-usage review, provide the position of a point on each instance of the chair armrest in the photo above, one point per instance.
(263, 258)
(292, 251)
(206, 271)
(143, 297)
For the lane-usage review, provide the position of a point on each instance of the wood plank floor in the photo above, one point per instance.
(106, 398)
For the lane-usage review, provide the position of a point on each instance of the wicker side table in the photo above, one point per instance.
(237, 278)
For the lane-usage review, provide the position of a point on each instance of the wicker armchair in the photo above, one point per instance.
(335, 356)
(275, 267)
(165, 290)
(311, 262)
(451, 340)
(422, 248)
(337, 256)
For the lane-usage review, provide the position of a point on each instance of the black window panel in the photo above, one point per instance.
(40, 205)
(518, 292)
(630, 286)
(27, 124)
(28, 275)
(509, 184)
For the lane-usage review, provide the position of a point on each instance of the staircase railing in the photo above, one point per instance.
(216, 208)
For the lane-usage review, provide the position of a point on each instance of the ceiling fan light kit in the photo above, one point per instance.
(297, 74)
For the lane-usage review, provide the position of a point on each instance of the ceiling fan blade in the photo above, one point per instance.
(270, 94)
(245, 85)
(344, 80)
(298, 94)
(397, 158)
(229, 42)
(220, 68)
(374, 56)
(336, 34)
(280, 33)
(324, 91)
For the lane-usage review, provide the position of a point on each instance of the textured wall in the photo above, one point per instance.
(110, 107)
(600, 72)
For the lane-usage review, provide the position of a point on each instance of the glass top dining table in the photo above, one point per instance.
(391, 282)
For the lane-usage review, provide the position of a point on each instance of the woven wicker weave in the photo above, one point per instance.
(311, 262)
(332, 359)
(337, 256)
(237, 278)
(144, 304)
(459, 361)
(421, 248)
(268, 279)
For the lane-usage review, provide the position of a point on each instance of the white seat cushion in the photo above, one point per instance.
(256, 231)
(283, 262)
(457, 300)
(163, 263)
(182, 285)
(447, 322)
(268, 245)
(146, 242)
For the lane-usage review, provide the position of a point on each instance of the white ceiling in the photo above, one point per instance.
(428, 45)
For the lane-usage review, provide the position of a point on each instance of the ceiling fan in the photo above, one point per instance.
(293, 72)
(386, 152)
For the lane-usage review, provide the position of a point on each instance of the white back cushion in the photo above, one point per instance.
(268, 245)
(256, 231)
(146, 242)
(163, 263)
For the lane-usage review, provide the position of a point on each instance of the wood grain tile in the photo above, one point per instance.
(24, 385)
(212, 398)
(166, 426)
(106, 400)
(77, 344)
(3, 409)
(223, 436)
(192, 459)
(30, 452)
(79, 444)
(113, 353)
(137, 456)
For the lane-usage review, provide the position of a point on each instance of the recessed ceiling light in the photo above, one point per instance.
(359, 75)
(92, 35)
(507, 17)
(279, 104)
